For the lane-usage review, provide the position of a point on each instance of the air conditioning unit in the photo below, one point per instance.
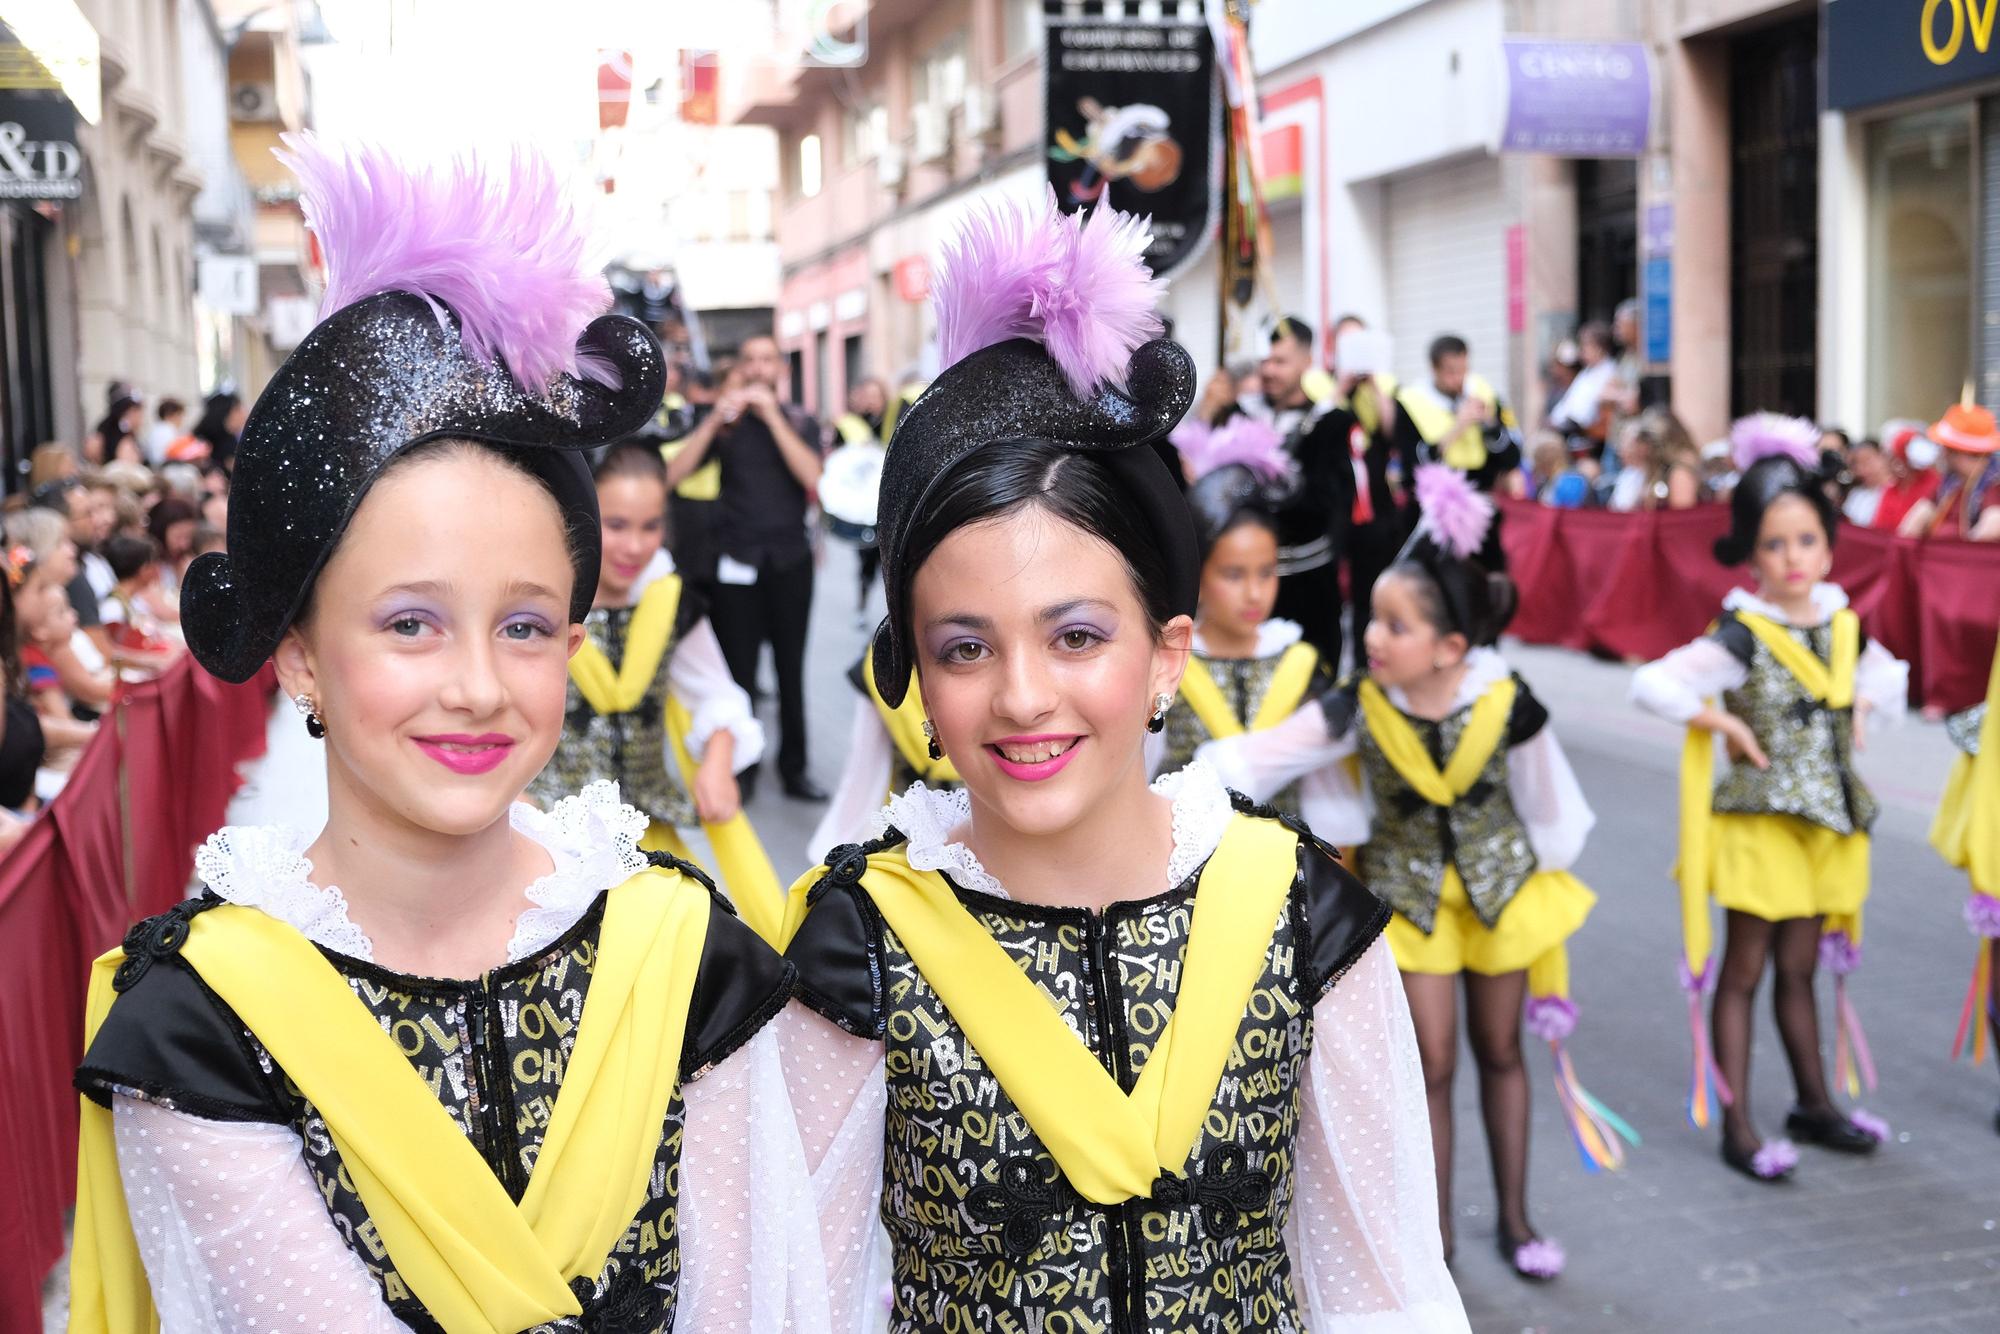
(932, 138)
(980, 114)
(253, 101)
(890, 167)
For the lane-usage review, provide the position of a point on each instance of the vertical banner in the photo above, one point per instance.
(1134, 121)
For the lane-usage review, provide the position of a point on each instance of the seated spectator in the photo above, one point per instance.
(209, 538)
(1659, 467)
(1913, 475)
(1869, 464)
(50, 465)
(1967, 504)
(1554, 478)
(40, 563)
(121, 423)
(1585, 411)
(131, 610)
(21, 744)
(172, 525)
(1718, 469)
(221, 424)
(171, 426)
(184, 481)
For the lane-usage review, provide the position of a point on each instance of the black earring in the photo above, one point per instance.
(1158, 722)
(314, 727)
(931, 746)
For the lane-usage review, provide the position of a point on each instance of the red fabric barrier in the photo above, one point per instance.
(1636, 585)
(116, 845)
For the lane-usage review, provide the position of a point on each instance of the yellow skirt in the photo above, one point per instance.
(1780, 867)
(1544, 912)
(1965, 836)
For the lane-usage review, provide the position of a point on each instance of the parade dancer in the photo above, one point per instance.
(510, 1074)
(652, 706)
(1789, 682)
(1468, 818)
(1966, 834)
(1098, 1054)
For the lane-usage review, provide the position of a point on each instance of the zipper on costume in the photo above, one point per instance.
(1126, 1300)
(489, 1074)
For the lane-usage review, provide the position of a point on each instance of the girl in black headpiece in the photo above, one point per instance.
(509, 1074)
(1099, 1054)
(1789, 682)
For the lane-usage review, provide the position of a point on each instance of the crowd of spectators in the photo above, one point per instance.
(95, 547)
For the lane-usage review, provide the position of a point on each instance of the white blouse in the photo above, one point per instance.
(231, 1226)
(1676, 685)
(1544, 789)
(1363, 1237)
(698, 676)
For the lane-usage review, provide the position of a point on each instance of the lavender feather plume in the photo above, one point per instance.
(500, 246)
(1242, 440)
(1763, 434)
(1076, 283)
(1455, 514)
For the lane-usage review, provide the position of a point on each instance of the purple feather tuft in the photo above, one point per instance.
(1776, 1159)
(1982, 915)
(1242, 440)
(1077, 283)
(1838, 953)
(1550, 1018)
(501, 247)
(1693, 983)
(1763, 434)
(1540, 1258)
(1455, 514)
(1870, 1124)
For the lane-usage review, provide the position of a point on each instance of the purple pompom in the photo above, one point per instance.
(1869, 1124)
(1777, 1158)
(1693, 983)
(1982, 915)
(503, 249)
(1540, 1258)
(1550, 1018)
(1838, 953)
(1243, 440)
(1763, 434)
(1455, 514)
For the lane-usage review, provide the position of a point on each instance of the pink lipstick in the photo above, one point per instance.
(464, 754)
(1058, 750)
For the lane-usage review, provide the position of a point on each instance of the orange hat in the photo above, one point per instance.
(1969, 430)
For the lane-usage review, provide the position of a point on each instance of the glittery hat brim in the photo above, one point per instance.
(373, 381)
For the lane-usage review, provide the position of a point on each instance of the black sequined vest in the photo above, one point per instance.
(1810, 746)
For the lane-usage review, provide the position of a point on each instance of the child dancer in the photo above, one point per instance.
(1469, 819)
(651, 703)
(1098, 1055)
(1781, 841)
(1967, 834)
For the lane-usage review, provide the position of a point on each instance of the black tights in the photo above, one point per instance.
(1493, 1023)
(1793, 946)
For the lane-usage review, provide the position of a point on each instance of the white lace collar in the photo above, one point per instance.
(1826, 599)
(926, 817)
(593, 839)
(1273, 638)
(1484, 669)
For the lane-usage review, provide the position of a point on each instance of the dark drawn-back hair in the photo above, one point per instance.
(1761, 486)
(631, 458)
(1457, 596)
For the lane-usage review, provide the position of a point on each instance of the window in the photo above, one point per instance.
(809, 166)
(1920, 262)
(940, 75)
(854, 369)
(1021, 30)
(865, 130)
(795, 363)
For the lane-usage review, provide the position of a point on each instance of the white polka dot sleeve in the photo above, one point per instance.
(232, 1230)
(1366, 1256)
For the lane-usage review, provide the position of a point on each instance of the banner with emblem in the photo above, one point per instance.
(1133, 117)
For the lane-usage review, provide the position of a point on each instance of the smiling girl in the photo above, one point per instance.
(1788, 681)
(507, 1075)
(1098, 1054)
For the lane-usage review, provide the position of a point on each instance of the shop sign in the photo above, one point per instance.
(1886, 50)
(1134, 120)
(1577, 99)
(39, 158)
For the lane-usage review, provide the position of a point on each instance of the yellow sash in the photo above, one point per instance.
(1281, 698)
(1407, 755)
(1367, 406)
(704, 483)
(1463, 448)
(739, 856)
(906, 729)
(1832, 686)
(1966, 832)
(476, 1260)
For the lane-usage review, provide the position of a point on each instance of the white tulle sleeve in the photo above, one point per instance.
(1675, 686)
(1549, 800)
(1363, 1237)
(232, 1230)
(864, 783)
(840, 1097)
(1882, 679)
(1332, 798)
(749, 1232)
(698, 676)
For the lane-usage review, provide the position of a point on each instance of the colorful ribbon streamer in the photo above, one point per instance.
(1853, 1065)
(1596, 1129)
(1971, 1035)
(1707, 1089)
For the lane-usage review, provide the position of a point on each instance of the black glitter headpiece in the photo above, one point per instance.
(1043, 321)
(457, 309)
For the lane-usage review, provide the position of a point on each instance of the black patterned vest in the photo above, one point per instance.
(629, 748)
(1411, 842)
(1811, 747)
(1243, 683)
(985, 1232)
(1964, 726)
(492, 1049)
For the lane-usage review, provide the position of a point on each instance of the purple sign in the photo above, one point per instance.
(1577, 99)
